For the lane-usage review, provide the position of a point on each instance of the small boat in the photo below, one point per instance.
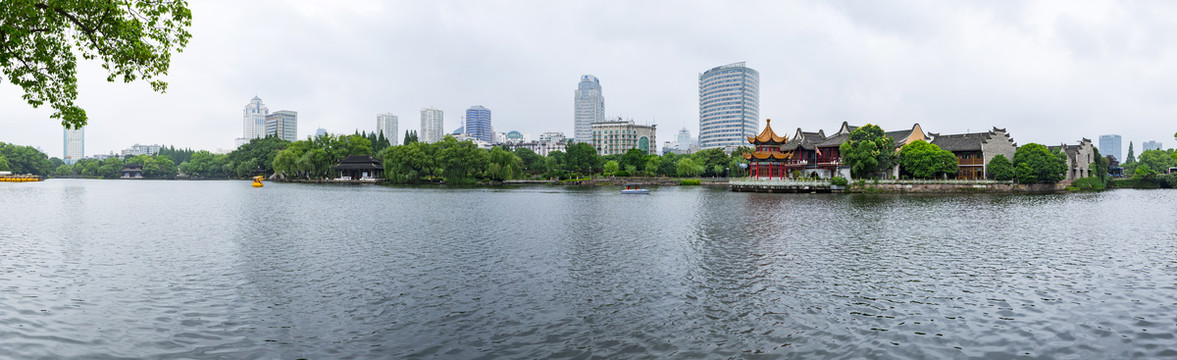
(257, 181)
(634, 189)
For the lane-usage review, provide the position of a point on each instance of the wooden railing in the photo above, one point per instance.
(971, 161)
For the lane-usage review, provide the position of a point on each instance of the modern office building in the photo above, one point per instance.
(1110, 145)
(729, 106)
(254, 119)
(432, 123)
(590, 107)
(683, 146)
(320, 132)
(283, 124)
(387, 123)
(478, 124)
(73, 145)
(1151, 145)
(618, 136)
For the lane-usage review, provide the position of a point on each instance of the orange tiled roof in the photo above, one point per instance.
(764, 155)
(768, 136)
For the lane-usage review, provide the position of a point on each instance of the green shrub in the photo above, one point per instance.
(690, 182)
(839, 181)
(621, 173)
(1088, 183)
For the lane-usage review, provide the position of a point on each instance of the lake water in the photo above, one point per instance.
(100, 269)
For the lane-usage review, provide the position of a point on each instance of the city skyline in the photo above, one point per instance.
(1055, 71)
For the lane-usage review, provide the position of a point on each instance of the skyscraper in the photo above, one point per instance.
(387, 123)
(432, 125)
(729, 106)
(478, 123)
(684, 141)
(1151, 145)
(1110, 145)
(283, 124)
(74, 143)
(590, 107)
(254, 119)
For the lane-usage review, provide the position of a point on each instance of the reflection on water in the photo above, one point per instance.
(217, 269)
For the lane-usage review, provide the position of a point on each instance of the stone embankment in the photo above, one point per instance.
(893, 186)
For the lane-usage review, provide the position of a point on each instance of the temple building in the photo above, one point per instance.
(767, 160)
(360, 167)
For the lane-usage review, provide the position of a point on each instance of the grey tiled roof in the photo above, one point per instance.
(961, 142)
(807, 140)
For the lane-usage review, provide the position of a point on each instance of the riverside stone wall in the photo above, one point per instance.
(949, 188)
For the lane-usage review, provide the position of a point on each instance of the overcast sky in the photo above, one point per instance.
(1049, 72)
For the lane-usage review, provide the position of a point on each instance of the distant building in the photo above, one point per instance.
(478, 123)
(500, 138)
(684, 142)
(432, 124)
(667, 148)
(514, 137)
(552, 136)
(541, 147)
(1152, 145)
(254, 119)
(1111, 145)
(73, 145)
(729, 106)
(283, 124)
(461, 130)
(387, 123)
(320, 132)
(590, 107)
(136, 150)
(618, 136)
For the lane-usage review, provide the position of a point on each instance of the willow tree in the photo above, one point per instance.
(40, 41)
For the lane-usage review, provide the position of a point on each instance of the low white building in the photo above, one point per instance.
(137, 150)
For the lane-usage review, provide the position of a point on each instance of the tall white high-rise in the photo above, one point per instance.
(254, 119)
(590, 107)
(74, 141)
(432, 125)
(729, 106)
(387, 123)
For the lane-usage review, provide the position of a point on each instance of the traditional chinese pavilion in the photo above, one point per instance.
(767, 160)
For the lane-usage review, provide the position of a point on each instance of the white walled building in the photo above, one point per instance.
(136, 150)
(388, 124)
(73, 145)
(432, 125)
(552, 136)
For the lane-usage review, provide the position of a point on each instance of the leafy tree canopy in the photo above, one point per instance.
(1034, 163)
(40, 41)
(868, 152)
(924, 161)
(1158, 160)
(1000, 168)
